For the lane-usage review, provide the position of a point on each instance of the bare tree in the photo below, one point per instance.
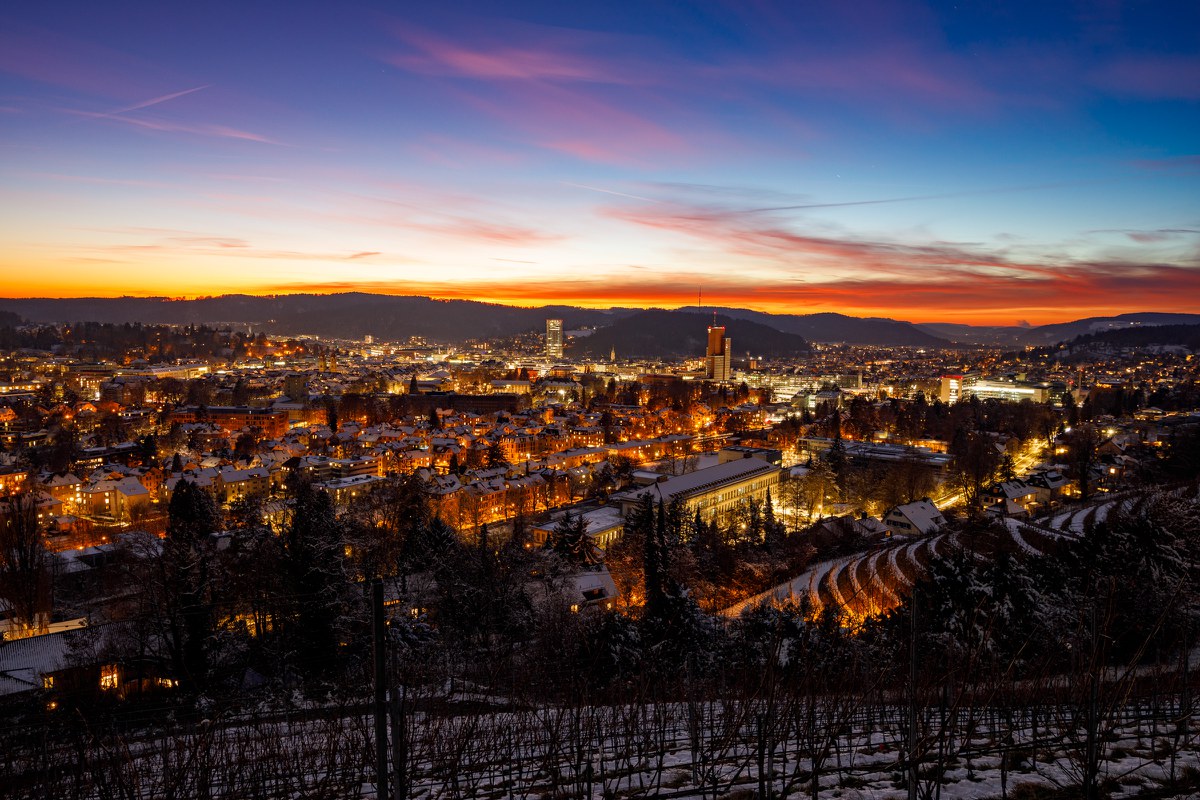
(24, 577)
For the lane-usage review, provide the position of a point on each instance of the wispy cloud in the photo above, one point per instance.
(1151, 236)
(518, 52)
(154, 101)
(780, 262)
(169, 126)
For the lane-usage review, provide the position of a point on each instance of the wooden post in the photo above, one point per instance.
(399, 747)
(379, 655)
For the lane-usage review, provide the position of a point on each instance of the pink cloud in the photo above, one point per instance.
(893, 76)
(510, 51)
(491, 232)
(791, 263)
(573, 121)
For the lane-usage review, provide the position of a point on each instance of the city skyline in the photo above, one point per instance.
(915, 161)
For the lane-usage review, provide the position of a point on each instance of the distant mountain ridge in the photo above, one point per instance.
(831, 327)
(658, 333)
(1008, 336)
(349, 315)
(353, 315)
(1142, 336)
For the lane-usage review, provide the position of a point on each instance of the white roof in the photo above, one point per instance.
(701, 480)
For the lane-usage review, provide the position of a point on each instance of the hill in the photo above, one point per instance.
(982, 335)
(1061, 332)
(396, 317)
(348, 315)
(658, 333)
(831, 327)
(1143, 336)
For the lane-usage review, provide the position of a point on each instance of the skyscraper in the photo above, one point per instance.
(554, 338)
(717, 356)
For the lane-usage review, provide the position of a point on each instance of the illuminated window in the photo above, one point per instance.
(110, 677)
(47, 681)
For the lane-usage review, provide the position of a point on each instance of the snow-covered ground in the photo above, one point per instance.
(704, 749)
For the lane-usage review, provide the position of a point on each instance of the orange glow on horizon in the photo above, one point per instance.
(597, 297)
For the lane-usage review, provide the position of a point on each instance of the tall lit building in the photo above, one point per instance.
(951, 389)
(718, 355)
(554, 338)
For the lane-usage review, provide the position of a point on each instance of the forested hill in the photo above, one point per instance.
(831, 327)
(1163, 335)
(673, 334)
(349, 315)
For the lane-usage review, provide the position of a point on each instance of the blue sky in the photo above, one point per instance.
(986, 162)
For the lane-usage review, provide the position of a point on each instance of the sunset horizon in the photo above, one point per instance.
(1025, 317)
(908, 160)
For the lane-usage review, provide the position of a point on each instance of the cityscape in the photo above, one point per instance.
(611, 401)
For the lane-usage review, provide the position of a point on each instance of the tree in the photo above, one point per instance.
(814, 488)
(331, 414)
(24, 576)
(187, 590)
(384, 522)
(244, 447)
(836, 457)
(495, 456)
(1082, 442)
(975, 461)
(570, 540)
(315, 576)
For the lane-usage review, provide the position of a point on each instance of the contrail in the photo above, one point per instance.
(911, 198)
(610, 191)
(146, 103)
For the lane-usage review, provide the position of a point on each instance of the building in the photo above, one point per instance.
(917, 518)
(715, 492)
(960, 387)
(604, 525)
(951, 389)
(554, 338)
(718, 355)
(273, 423)
(1010, 498)
(733, 452)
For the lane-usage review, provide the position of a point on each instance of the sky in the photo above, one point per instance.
(975, 162)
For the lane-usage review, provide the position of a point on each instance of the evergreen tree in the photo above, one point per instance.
(836, 457)
(570, 540)
(495, 456)
(316, 579)
(187, 577)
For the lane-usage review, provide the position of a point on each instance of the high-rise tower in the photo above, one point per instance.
(717, 355)
(554, 338)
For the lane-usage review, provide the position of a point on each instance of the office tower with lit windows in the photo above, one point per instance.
(717, 357)
(554, 338)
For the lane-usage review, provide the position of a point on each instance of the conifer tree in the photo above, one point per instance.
(313, 562)
(187, 567)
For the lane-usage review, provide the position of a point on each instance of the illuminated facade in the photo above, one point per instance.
(554, 338)
(717, 355)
